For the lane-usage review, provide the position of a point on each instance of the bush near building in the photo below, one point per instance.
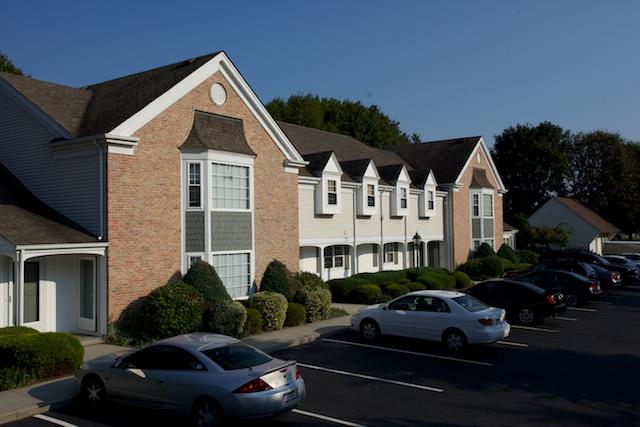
(203, 277)
(483, 268)
(227, 318)
(462, 280)
(506, 252)
(316, 301)
(484, 251)
(27, 356)
(527, 256)
(367, 293)
(173, 309)
(253, 324)
(272, 307)
(296, 314)
(278, 278)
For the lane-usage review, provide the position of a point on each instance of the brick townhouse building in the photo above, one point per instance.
(113, 189)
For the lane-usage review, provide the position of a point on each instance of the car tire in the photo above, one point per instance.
(454, 340)
(206, 413)
(93, 393)
(369, 330)
(572, 300)
(526, 316)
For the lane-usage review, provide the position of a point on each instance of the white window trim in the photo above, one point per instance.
(250, 170)
(363, 207)
(396, 206)
(252, 267)
(188, 255)
(345, 257)
(395, 253)
(482, 238)
(187, 185)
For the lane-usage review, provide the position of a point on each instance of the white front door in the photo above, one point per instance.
(4, 292)
(32, 296)
(87, 295)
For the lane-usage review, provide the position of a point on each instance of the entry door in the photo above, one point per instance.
(32, 295)
(87, 295)
(5, 279)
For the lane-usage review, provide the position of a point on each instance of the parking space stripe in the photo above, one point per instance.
(531, 328)
(53, 420)
(590, 310)
(326, 418)
(568, 319)
(369, 377)
(513, 344)
(413, 353)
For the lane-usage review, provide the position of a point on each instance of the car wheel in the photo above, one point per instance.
(93, 391)
(526, 316)
(206, 413)
(572, 300)
(369, 330)
(454, 340)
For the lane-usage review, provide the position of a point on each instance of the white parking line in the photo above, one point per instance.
(568, 319)
(325, 418)
(369, 377)
(513, 344)
(531, 328)
(590, 310)
(414, 353)
(54, 420)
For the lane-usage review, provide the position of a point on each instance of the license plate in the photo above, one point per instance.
(292, 395)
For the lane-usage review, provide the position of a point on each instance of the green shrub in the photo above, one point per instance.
(384, 298)
(341, 289)
(173, 309)
(203, 277)
(437, 280)
(396, 290)
(472, 268)
(384, 276)
(527, 256)
(415, 286)
(277, 278)
(17, 330)
(272, 307)
(310, 280)
(521, 266)
(227, 318)
(27, 357)
(316, 302)
(404, 281)
(367, 294)
(507, 265)
(253, 324)
(462, 280)
(296, 314)
(484, 251)
(507, 252)
(491, 267)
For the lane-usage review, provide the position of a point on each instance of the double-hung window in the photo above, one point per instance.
(332, 192)
(195, 186)
(235, 272)
(371, 195)
(482, 219)
(390, 253)
(334, 257)
(403, 198)
(230, 187)
(430, 204)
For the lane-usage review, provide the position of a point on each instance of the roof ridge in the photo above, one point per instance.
(4, 73)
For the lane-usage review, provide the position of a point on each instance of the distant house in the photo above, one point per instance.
(509, 235)
(586, 228)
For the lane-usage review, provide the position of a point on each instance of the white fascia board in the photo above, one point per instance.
(308, 180)
(224, 65)
(63, 246)
(492, 166)
(35, 111)
(333, 166)
(371, 171)
(403, 176)
(116, 144)
(442, 194)
(350, 184)
(431, 179)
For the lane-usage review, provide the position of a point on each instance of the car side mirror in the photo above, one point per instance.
(137, 372)
(385, 307)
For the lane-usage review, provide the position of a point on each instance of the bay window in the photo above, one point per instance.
(230, 187)
(482, 219)
(234, 270)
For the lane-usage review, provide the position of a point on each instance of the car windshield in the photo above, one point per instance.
(471, 304)
(237, 356)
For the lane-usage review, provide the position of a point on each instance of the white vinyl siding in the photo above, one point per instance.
(235, 272)
(71, 186)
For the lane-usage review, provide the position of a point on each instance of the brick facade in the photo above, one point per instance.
(462, 210)
(143, 193)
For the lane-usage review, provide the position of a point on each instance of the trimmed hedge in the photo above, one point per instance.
(485, 251)
(367, 294)
(173, 309)
(17, 330)
(310, 280)
(415, 286)
(27, 357)
(437, 280)
(227, 318)
(253, 324)
(507, 252)
(342, 289)
(316, 302)
(296, 314)
(527, 256)
(462, 280)
(396, 290)
(278, 278)
(203, 277)
(483, 268)
(272, 307)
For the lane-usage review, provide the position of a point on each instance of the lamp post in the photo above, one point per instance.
(417, 240)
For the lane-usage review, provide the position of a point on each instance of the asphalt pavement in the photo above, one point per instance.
(581, 369)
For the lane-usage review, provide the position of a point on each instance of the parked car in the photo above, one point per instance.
(627, 274)
(622, 260)
(205, 376)
(576, 289)
(524, 302)
(608, 279)
(633, 256)
(454, 318)
(581, 268)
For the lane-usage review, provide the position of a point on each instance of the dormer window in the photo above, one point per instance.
(428, 197)
(371, 195)
(403, 198)
(332, 192)
(430, 201)
(400, 195)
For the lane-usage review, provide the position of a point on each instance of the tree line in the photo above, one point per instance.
(601, 169)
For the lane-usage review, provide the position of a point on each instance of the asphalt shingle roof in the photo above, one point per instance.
(588, 215)
(216, 132)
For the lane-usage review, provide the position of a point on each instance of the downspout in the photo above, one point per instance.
(355, 265)
(381, 252)
(19, 286)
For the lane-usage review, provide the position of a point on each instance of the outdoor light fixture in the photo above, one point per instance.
(417, 239)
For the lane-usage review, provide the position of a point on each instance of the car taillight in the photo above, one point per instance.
(253, 386)
(551, 299)
(595, 287)
(615, 277)
(298, 372)
(486, 322)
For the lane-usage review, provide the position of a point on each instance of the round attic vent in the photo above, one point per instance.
(218, 94)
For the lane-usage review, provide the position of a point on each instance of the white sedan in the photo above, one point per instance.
(454, 318)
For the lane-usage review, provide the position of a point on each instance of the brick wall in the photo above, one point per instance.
(144, 228)
(462, 210)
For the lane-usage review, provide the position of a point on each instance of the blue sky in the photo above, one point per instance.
(441, 68)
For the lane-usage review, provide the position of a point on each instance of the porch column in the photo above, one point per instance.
(19, 297)
(102, 295)
(354, 259)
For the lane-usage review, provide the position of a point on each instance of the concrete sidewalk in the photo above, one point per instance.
(38, 398)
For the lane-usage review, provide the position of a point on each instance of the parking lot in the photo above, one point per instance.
(580, 369)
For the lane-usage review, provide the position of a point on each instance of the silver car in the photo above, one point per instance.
(205, 376)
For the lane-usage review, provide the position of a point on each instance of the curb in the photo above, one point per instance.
(36, 408)
(305, 339)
